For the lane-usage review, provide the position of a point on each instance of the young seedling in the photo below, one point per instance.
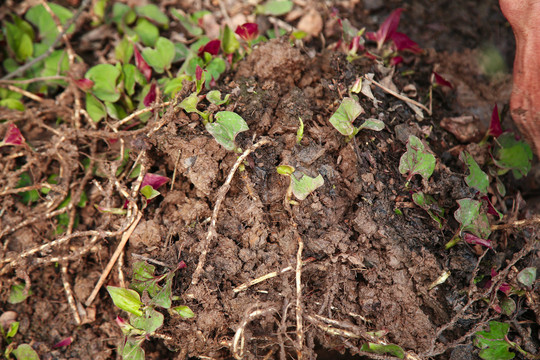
(512, 155)
(416, 160)
(474, 225)
(347, 112)
(300, 131)
(388, 31)
(476, 179)
(299, 188)
(494, 344)
(224, 129)
(144, 319)
(384, 349)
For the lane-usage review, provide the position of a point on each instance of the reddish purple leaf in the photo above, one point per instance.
(248, 31)
(388, 27)
(473, 239)
(151, 96)
(120, 322)
(143, 67)
(396, 60)
(84, 84)
(403, 42)
(212, 47)
(505, 288)
(497, 308)
(355, 45)
(182, 265)
(495, 128)
(198, 73)
(439, 80)
(13, 136)
(62, 343)
(154, 180)
(490, 208)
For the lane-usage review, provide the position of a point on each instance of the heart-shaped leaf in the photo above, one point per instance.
(513, 155)
(493, 343)
(416, 160)
(343, 118)
(372, 124)
(153, 13)
(306, 185)
(214, 97)
(149, 322)
(477, 179)
(161, 57)
(104, 77)
(95, 108)
(527, 276)
(227, 125)
(472, 219)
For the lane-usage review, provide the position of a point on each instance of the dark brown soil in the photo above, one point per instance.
(366, 267)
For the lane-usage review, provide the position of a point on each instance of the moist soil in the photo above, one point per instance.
(367, 267)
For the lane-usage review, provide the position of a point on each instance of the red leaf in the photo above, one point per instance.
(13, 136)
(212, 47)
(473, 239)
(355, 45)
(505, 288)
(439, 80)
(388, 27)
(151, 96)
(248, 31)
(396, 60)
(143, 67)
(490, 208)
(198, 73)
(65, 342)
(84, 84)
(182, 265)
(154, 180)
(403, 42)
(495, 128)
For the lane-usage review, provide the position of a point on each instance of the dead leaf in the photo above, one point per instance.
(465, 128)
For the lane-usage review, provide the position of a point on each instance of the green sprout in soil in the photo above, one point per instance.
(349, 109)
(474, 224)
(416, 160)
(430, 205)
(496, 345)
(299, 188)
(225, 128)
(144, 318)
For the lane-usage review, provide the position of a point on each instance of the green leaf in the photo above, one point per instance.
(95, 108)
(30, 196)
(12, 330)
(18, 41)
(149, 322)
(513, 155)
(132, 75)
(132, 350)
(372, 124)
(41, 18)
(104, 77)
(115, 111)
(149, 192)
(148, 32)
(164, 296)
(492, 343)
(527, 276)
(477, 179)
(285, 170)
(144, 279)
(471, 219)
(153, 13)
(175, 85)
(227, 125)
(430, 205)
(189, 104)
(161, 57)
(216, 67)
(181, 52)
(184, 311)
(384, 349)
(56, 64)
(124, 51)
(122, 14)
(214, 97)
(12, 104)
(508, 306)
(275, 8)
(300, 131)
(25, 352)
(306, 185)
(187, 23)
(229, 42)
(416, 160)
(343, 118)
(17, 295)
(126, 299)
